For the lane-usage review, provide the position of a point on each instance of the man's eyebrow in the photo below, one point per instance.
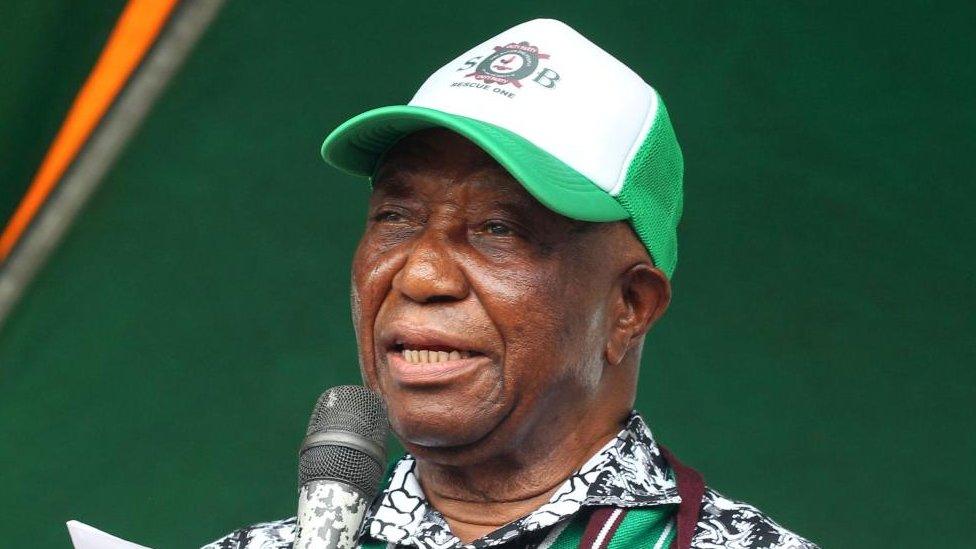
(530, 215)
(534, 212)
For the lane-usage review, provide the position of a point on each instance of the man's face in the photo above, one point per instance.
(480, 314)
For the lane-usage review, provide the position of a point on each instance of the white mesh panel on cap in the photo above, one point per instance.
(589, 118)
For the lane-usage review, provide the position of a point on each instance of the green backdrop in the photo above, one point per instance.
(817, 360)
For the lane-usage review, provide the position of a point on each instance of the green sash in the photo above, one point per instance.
(650, 527)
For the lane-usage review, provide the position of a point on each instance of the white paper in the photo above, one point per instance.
(87, 537)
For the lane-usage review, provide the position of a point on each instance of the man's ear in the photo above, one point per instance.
(642, 295)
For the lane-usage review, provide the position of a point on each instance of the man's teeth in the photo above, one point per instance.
(425, 356)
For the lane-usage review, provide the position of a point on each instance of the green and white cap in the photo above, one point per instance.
(584, 134)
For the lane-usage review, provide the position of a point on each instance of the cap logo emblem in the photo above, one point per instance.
(512, 63)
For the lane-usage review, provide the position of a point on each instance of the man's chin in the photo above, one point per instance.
(442, 432)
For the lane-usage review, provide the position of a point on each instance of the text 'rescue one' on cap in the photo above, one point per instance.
(584, 134)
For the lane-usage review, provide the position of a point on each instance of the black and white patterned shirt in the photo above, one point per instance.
(628, 472)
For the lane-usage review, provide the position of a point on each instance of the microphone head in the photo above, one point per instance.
(346, 439)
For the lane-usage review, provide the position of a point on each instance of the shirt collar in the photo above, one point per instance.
(628, 472)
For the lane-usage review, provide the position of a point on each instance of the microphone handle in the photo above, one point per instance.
(329, 515)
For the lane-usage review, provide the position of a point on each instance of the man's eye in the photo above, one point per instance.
(498, 228)
(388, 216)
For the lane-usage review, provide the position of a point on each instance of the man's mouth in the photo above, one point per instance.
(421, 354)
(430, 363)
(432, 356)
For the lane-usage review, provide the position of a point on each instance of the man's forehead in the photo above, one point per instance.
(476, 189)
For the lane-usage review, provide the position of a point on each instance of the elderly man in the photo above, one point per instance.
(519, 245)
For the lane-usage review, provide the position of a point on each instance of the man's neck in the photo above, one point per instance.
(478, 499)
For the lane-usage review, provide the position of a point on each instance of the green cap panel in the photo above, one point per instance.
(653, 191)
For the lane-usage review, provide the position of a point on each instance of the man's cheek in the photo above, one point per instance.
(365, 303)
(514, 291)
(356, 307)
(371, 284)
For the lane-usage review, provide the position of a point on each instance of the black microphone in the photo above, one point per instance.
(340, 466)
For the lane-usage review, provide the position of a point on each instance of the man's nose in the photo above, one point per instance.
(431, 273)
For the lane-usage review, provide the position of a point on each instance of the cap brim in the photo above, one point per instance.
(356, 146)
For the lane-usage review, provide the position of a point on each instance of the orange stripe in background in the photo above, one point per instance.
(133, 35)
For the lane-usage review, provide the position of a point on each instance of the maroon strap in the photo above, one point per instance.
(608, 518)
(691, 488)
